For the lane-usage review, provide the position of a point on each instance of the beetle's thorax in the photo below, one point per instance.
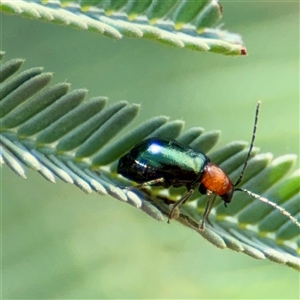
(214, 179)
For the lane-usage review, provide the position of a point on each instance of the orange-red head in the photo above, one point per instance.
(215, 180)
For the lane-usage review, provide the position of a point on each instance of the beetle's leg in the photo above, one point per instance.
(174, 213)
(209, 205)
(148, 183)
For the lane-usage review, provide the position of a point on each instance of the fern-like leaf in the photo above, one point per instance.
(59, 134)
(189, 24)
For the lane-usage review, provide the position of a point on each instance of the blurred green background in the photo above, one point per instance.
(60, 243)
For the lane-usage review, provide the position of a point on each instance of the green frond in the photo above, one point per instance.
(189, 24)
(61, 135)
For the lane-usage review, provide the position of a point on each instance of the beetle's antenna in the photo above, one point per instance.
(251, 145)
(282, 210)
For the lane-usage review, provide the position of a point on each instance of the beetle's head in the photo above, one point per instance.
(228, 195)
(215, 180)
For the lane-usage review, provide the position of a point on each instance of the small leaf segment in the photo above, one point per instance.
(181, 24)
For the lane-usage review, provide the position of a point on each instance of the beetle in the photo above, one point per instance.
(163, 162)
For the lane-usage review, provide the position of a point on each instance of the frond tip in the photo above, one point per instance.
(181, 24)
(60, 134)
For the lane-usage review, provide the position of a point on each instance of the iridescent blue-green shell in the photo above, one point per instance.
(154, 158)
